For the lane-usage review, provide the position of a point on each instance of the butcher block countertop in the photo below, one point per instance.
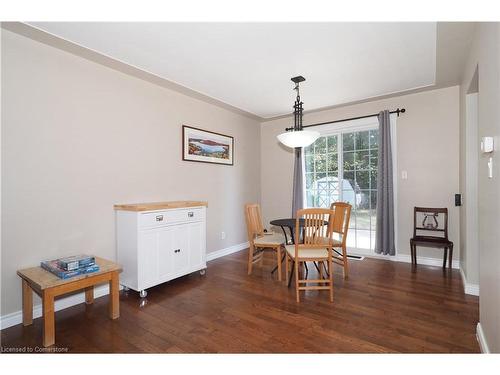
(137, 207)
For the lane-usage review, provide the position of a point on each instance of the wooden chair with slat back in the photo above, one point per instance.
(313, 248)
(434, 226)
(339, 225)
(259, 240)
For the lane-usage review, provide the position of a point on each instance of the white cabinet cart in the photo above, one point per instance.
(158, 242)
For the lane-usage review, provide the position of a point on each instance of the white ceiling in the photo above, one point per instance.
(249, 65)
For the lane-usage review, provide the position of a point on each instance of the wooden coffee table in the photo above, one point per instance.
(48, 286)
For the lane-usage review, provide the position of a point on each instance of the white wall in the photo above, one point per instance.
(484, 55)
(427, 147)
(78, 137)
(1, 101)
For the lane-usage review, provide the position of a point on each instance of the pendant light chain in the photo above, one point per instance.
(297, 110)
(297, 137)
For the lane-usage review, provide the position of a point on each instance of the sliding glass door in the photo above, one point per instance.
(342, 166)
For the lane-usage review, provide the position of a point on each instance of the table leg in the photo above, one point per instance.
(114, 296)
(89, 295)
(27, 304)
(282, 259)
(48, 318)
(326, 270)
(284, 232)
(292, 235)
(317, 268)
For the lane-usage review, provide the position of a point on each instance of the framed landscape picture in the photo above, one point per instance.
(206, 146)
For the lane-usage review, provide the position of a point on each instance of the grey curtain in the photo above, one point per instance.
(384, 243)
(298, 191)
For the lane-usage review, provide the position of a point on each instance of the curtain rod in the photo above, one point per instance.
(398, 111)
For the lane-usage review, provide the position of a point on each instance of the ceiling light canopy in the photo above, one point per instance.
(297, 136)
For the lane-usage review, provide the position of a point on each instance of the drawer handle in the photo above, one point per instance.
(190, 214)
(177, 251)
(159, 218)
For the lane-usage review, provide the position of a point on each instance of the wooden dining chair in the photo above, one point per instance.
(313, 248)
(259, 241)
(431, 232)
(339, 226)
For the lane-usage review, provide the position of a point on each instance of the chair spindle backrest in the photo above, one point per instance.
(314, 229)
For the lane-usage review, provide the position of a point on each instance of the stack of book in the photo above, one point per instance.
(65, 268)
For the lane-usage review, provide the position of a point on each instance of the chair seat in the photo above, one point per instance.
(440, 241)
(305, 252)
(274, 239)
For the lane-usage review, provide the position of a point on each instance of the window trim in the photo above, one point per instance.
(352, 126)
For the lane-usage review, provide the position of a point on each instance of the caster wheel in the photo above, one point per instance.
(143, 294)
(202, 272)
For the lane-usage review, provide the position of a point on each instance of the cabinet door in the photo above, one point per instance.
(166, 248)
(147, 258)
(196, 235)
(181, 253)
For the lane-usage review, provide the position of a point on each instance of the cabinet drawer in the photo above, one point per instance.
(160, 218)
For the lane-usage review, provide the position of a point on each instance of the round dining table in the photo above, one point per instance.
(290, 224)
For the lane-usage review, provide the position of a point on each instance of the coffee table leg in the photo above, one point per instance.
(48, 318)
(114, 296)
(27, 304)
(89, 295)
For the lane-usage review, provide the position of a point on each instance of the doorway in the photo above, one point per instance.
(470, 258)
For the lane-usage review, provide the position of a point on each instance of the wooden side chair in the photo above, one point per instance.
(430, 223)
(259, 240)
(313, 249)
(339, 226)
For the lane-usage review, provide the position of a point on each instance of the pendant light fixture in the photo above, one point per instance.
(297, 136)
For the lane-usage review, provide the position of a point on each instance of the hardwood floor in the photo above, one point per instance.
(382, 307)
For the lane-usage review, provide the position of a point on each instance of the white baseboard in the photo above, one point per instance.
(228, 250)
(16, 317)
(405, 258)
(426, 261)
(483, 344)
(469, 288)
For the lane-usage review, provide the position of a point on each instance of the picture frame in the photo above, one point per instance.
(204, 146)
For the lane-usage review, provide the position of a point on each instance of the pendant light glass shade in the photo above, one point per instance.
(298, 138)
